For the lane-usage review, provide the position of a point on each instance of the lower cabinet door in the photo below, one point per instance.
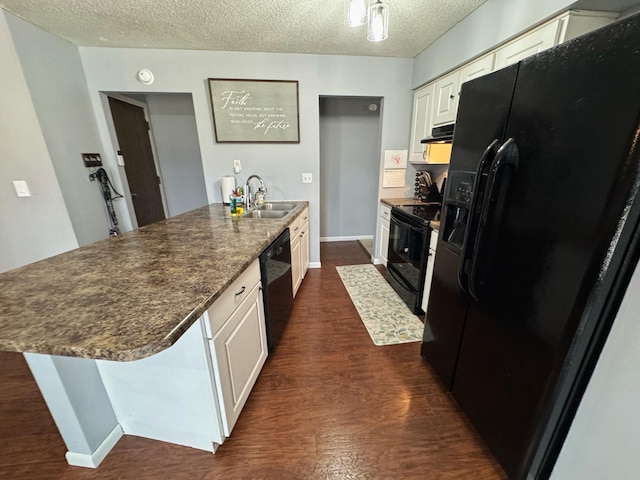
(240, 350)
(384, 240)
(304, 249)
(296, 264)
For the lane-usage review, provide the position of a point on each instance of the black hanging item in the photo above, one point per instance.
(106, 186)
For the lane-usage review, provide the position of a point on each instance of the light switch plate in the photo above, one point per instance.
(21, 188)
(237, 166)
(307, 178)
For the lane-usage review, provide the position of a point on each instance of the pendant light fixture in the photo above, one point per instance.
(376, 16)
(378, 28)
(356, 13)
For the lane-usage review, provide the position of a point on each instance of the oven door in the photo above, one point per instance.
(408, 250)
(408, 294)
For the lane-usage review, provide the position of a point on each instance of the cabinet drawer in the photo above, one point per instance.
(231, 298)
(385, 212)
(297, 225)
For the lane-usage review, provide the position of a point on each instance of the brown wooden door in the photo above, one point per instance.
(132, 131)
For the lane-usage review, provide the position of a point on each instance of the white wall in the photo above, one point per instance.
(349, 163)
(280, 165)
(36, 227)
(604, 439)
(173, 123)
(494, 22)
(56, 82)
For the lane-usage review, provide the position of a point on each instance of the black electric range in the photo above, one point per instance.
(422, 214)
(408, 253)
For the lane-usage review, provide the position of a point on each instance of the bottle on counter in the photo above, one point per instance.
(233, 206)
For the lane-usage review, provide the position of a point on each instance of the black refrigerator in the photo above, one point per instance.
(538, 240)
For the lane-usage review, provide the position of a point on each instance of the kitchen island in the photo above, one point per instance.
(117, 333)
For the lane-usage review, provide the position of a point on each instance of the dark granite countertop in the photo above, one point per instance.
(131, 296)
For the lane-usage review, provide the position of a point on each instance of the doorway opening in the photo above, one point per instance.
(131, 123)
(164, 163)
(349, 168)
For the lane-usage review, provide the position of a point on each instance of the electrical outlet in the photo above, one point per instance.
(307, 178)
(237, 167)
(91, 160)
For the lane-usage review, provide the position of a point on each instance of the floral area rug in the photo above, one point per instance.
(386, 317)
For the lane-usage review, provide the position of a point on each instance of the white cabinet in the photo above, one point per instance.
(304, 246)
(566, 26)
(445, 103)
(238, 342)
(433, 242)
(578, 22)
(477, 68)
(436, 104)
(296, 264)
(383, 232)
(421, 122)
(299, 231)
(529, 44)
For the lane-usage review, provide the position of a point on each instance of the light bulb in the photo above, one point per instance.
(355, 13)
(378, 22)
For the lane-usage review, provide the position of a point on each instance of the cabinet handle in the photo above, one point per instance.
(452, 97)
(295, 229)
(306, 218)
(241, 291)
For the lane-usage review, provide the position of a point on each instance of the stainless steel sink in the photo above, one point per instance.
(265, 213)
(276, 206)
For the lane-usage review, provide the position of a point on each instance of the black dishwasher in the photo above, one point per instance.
(277, 290)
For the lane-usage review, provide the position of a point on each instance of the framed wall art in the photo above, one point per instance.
(255, 111)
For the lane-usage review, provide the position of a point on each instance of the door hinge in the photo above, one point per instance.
(159, 181)
(148, 125)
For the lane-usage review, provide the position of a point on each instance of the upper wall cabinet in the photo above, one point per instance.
(527, 45)
(446, 99)
(421, 121)
(565, 27)
(477, 68)
(437, 103)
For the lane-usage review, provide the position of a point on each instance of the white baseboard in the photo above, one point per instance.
(93, 460)
(346, 239)
(314, 265)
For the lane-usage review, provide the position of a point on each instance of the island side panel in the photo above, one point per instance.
(168, 396)
(74, 393)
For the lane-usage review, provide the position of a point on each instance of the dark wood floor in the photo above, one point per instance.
(329, 404)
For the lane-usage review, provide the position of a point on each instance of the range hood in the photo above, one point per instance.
(442, 134)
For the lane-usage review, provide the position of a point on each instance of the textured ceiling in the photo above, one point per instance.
(291, 26)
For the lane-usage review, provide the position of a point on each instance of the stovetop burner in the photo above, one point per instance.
(425, 212)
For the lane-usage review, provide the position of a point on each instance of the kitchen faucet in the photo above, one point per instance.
(247, 191)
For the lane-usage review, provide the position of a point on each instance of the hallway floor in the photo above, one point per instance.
(328, 405)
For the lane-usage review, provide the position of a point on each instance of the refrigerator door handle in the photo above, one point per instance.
(485, 160)
(507, 156)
